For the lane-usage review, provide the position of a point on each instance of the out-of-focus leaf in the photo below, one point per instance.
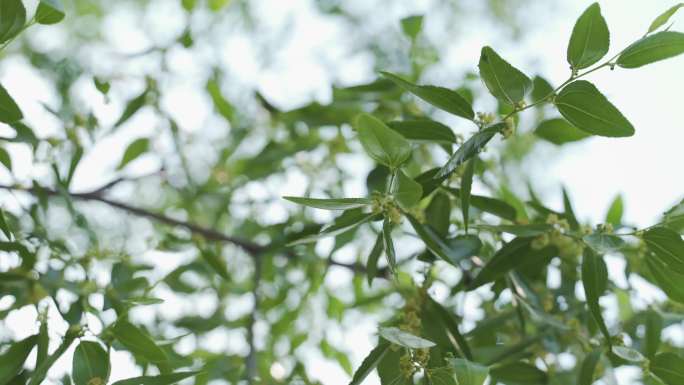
(604, 243)
(373, 257)
(438, 213)
(134, 105)
(519, 373)
(614, 214)
(668, 280)
(468, 372)
(530, 230)
(559, 131)
(664, 17)
(489, 205)
(668, 247)
(628, 354)
(133, 151)
(588, 368)
(12, 20)
(345, 222)
(451, 251)
(162, 379)
(652, 336)
(590, 39)
(50, 12)
(5, 159)
(9, 110)
(14, 358)
(466, 186)
(411, 25)
(669, 367)
(389, 245)
(405, 339)
(138, 342)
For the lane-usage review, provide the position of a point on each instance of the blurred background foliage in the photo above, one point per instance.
(161, 136)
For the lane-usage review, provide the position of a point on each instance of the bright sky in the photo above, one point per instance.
(645, 168)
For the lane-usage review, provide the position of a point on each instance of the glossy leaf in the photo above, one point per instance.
(90, 364)
(653, 48)
(138, 342)
(595, 281)
(12, 20)
(451, 251)
(405, 339)
(466, 186)
(133, 151)
(162, 379)
(370, 362)
(440, 97)
(424, 130)
(9, 110)
(468, 372)
(590, 39)
(406, 191)
(559, 131)
(503, 80)
(628, 354)
(604, 243)
(469, 149)
(50, 12)
(669, 367)
(373, 257)
(12, 361)
(587, 109)
(381, 143)
(664, 17)
(668, 247)
(331, 204)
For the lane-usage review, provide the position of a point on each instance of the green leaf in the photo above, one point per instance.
(669, 367)
(516, 254)
(587, 109)
(163, 379)
(138, 342)
(529, 230)
(373, 257)
(595, 281)
(216, 262)
(133, 151)
(217, 5)
(370, 362)
(90, 364)
(5, 159)
(381, 143)
(405, 339)
(503, 80)
(468, 372)
(345, 222)
(43, 342)
(12, 361)
(668, 247)
(438, 213)
(424, 130)
(440, 97)
(541, 88)
(102, 85)
(12, 20)
(451, 251)
(134, 105)
(653, 48)
(222, 105)
(406, 191)
(518, 373)
(628, 354)
(389, 245)
(559, 131)
(490, 205)
(590, 39)
(614, 214)
(588, 368)
(664, 17)
(9, 110)
(450, 324)
(470, 148)
(666, 279)
(3, 225)
(412, 25)
(331, 204)
(604, 243)
(50, 12)
(652, 336)
(466, 186)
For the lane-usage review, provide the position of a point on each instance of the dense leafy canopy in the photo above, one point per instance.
(423, 240)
